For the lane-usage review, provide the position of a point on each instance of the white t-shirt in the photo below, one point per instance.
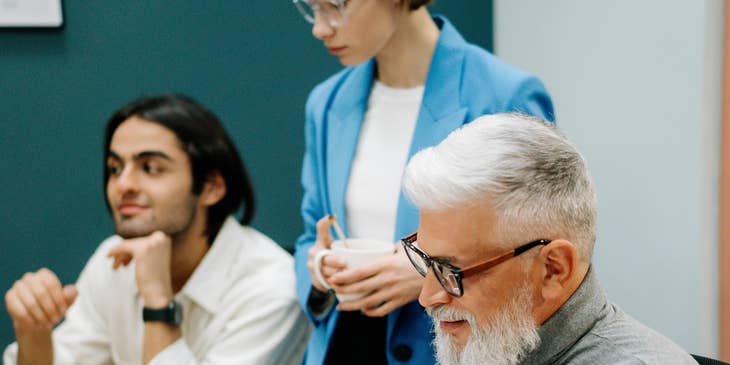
(239, 307)
(371, 199)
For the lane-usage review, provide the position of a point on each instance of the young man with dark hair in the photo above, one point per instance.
(182, 282)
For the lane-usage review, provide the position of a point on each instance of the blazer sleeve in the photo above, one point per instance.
(531, 97)
(312, 208)
(489, 86)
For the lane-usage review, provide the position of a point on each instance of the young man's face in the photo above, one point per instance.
(493, 322)
(150, 181)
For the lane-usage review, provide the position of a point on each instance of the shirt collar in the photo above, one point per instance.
(210, 279)
(571, 322)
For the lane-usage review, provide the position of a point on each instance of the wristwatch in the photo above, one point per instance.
(172, 314)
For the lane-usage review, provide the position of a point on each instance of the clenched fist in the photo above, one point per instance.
(38, 301)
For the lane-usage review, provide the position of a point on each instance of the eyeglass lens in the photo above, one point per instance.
(418, 262)
(447, 278)
(328, 9)
(444, 275)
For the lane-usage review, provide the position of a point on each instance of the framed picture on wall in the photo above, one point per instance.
(31, 14)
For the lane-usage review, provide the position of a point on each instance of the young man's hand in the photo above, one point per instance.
(38, 301)
(152, 255)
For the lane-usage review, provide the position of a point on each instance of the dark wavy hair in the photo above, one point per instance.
(206, 143)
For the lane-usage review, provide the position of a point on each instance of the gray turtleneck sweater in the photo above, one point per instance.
(588, 329)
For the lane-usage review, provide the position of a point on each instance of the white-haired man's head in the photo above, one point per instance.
(503, 186)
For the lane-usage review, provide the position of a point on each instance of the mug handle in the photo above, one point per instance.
(318, 267)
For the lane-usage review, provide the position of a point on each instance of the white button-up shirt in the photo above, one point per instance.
(239, 307)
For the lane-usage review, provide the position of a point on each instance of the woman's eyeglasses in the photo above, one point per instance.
(332, 10)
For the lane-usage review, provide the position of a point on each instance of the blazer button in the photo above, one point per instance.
(402, 353)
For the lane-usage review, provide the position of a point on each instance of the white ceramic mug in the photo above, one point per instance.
(358, 252)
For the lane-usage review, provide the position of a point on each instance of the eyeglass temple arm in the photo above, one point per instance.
(485, 265)
(502, 258)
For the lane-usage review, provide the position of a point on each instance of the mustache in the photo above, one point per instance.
(135, 199)
(445, 313)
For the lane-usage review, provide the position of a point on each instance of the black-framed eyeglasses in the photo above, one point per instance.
(449, 276)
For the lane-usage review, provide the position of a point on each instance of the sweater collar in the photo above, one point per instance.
(571, 322)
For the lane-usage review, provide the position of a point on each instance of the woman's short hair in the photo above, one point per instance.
(415, 4)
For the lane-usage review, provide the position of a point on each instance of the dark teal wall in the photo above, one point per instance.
(251, 62)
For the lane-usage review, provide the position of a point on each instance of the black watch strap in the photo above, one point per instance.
(320, 302)
(172, 314)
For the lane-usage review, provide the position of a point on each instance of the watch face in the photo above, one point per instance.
(177, 313)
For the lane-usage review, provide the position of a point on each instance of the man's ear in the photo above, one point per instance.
(214, 189)
(559, 261)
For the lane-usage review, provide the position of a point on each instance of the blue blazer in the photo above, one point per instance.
(463, 82)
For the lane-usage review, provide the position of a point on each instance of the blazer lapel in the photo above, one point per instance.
(441, 110)
(343, 128)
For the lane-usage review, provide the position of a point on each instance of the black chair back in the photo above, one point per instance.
(707, 361)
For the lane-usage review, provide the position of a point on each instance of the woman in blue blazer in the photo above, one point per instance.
(403, 64)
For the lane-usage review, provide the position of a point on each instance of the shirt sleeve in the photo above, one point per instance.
(275, 333)
(82, 337)
(177, 353)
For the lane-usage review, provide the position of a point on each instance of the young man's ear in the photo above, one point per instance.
(559, 260)
(214, 189)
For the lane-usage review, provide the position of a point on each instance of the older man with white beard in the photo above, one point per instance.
(506, 234)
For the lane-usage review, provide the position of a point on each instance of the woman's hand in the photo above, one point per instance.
(331, 264)
(391, 282)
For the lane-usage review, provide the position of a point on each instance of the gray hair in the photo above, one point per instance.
(535, 179)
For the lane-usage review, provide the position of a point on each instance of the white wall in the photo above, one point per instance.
(636, 85)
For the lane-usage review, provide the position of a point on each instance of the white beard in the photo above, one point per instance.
(510, 335)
